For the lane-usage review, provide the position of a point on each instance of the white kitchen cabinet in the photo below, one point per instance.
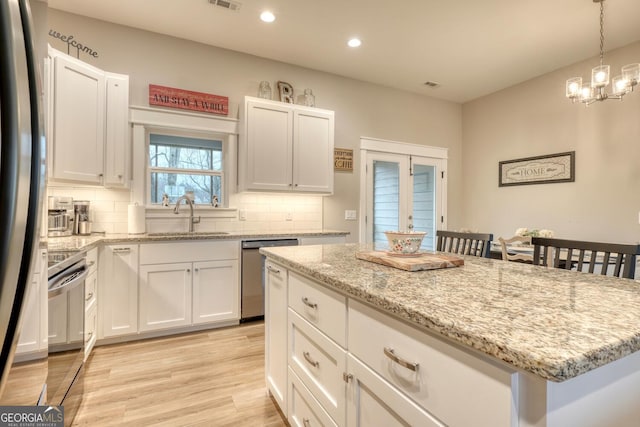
(440, 377)
(213, 297)
(185, 284)
(91, 302)
(275, 333)
(78, 121)
(286, 147)
(372, 401)
(304, 409)
(88, 128)
(313, 151)
(118, 290)
(33, 332)
(116, 154)
(165, 296)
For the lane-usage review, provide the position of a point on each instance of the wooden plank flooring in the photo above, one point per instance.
(208, 378)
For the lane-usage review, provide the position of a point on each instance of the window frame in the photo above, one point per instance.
(224, 202)
(145, 119)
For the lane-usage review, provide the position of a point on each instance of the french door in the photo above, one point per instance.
(403, 192)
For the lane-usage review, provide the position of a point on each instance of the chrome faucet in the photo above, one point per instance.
(192, 219)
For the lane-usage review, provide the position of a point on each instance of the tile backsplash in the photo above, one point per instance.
(262, 212)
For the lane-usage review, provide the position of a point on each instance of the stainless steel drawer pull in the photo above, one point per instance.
(312, 362)
(306, 302)
(89, 296)
(273, 269)
(306, 422)
(391, 355)
(121, 250)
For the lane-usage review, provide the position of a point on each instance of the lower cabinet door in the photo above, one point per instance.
(373, 402)
(275, 332)
(304, 409)
(215, 291)
(165, 296)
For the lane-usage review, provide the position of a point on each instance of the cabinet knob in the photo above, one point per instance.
(196, 269)
(100, 175)
(89, 296)
(188, 270)
(119, 176)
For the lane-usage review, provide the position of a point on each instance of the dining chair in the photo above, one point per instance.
(523, 257)
(476, 244)
(567, 254)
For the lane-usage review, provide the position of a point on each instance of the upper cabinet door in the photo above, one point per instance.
(286, 147)
(116, 162)
(78, 121)
(269, 146)
(313, 151)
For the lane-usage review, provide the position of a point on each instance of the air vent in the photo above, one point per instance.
(432, 85)
(231, 5)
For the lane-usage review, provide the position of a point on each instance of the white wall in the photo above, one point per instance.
(362, 109)
(535, 118)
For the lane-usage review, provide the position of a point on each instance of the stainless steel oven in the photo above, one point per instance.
(67, 273)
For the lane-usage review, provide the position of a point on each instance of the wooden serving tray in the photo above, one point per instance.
(419, 262)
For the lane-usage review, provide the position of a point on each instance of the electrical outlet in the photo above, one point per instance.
(242, 214)
(288, 216)
(350, 215)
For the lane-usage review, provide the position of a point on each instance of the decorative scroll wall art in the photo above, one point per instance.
(545, 169)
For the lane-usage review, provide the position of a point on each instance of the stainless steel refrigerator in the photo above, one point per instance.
(21, 172)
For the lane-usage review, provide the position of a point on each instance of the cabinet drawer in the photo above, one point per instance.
(322, 307)
(319, 363)
(160, 253)
(90, 289)
(304, 409)
(90, 330)
(444, 380)
(92, 260)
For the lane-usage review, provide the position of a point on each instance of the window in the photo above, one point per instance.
(179, 164)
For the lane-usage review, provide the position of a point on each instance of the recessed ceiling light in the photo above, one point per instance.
(267, 16)
(354, 42)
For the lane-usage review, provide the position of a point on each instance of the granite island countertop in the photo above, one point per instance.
(553, 323)
(77, 242)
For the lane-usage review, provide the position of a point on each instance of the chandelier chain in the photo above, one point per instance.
(601, 32)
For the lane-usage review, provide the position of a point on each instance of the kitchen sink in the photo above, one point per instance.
(188, 233)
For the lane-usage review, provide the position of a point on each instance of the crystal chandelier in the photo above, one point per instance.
(621, 85)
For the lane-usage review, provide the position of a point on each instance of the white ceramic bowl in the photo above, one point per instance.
(404, 242)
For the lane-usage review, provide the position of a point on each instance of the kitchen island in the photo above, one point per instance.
(563, 345)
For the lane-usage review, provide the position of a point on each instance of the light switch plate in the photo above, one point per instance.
(350, 215)
(288, 216)
(242, 215)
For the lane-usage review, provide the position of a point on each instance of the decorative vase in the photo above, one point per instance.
(264, 90)
(309, 98)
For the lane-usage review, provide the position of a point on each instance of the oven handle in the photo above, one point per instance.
(63, 284)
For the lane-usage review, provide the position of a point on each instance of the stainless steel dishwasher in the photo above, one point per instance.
(252, 302)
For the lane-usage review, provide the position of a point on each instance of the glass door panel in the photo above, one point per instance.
(386, 199)
(424, 202)
(402, 193)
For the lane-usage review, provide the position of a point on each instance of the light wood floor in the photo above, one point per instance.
(209, 378)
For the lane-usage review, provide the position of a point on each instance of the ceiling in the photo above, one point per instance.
(471, 47)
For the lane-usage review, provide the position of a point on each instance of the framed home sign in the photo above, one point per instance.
(545, 169)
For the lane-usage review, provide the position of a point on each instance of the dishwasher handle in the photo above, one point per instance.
(257, 244)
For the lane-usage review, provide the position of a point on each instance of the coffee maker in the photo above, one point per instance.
(59, 220)
(81, 218)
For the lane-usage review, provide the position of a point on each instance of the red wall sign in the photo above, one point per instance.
(188, 100)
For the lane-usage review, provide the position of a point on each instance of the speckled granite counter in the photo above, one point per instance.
(76, 243)
(553, 323)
